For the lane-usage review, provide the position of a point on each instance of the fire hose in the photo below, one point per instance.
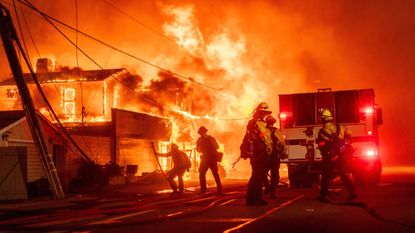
(151, 219)
(158, 162)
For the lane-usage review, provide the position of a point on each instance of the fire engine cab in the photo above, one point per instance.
(300, 124)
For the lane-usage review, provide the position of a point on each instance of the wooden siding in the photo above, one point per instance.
(12, 173)
(34, 166)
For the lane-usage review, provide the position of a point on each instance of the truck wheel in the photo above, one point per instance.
(294, 176)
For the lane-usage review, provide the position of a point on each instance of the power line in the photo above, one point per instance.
(82, 153)
(20, 28)
(44, 15)
(26, 59)
(21, 32)
(77, 62)
(97, 64)
(49, 18)
(138, 21)
(28, 29)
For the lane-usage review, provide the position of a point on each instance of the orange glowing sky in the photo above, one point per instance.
(254, 50)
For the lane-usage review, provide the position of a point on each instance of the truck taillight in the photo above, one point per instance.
(369, 110)
(370, 153)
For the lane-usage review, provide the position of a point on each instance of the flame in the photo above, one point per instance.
(191, 116)
(223, 53)
(218, 58)
(183, 28)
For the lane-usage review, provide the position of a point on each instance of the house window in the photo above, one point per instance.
(12, 93)
(116, 97)
(69, 101)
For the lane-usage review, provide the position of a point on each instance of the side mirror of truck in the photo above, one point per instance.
(379, 118)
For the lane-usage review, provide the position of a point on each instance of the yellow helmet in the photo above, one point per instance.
(326, 115)
(263, 107)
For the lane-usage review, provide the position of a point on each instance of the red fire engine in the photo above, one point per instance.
(300, 123)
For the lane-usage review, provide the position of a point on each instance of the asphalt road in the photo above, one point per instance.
(388, 207)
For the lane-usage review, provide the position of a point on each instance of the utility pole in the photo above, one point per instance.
(8, 35)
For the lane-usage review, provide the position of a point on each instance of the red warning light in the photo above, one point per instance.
(369, 110)
(370, 132)
(284, 115)
(370, 153)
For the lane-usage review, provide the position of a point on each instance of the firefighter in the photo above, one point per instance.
(278, 152)
(208, 146)
(331, 141)
(181, 163)
(257, 145)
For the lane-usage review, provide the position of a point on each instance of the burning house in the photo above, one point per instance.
(70, 92)
(88, 104)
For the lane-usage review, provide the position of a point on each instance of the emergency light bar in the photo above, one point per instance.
(284, 115)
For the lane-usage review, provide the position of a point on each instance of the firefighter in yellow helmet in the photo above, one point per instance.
(257, 146)
(331, 142)
(278, 152)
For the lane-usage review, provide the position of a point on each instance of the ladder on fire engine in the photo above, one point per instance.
(8, 36)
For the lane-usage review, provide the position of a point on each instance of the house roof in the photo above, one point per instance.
(9, 117)
(67, 76)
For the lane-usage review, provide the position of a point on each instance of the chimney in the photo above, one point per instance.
(44, 65)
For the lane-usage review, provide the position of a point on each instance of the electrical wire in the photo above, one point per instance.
(30, 35)
(28, 63)
(80, 79)
(28, 28)
(82, 153)
(139, 22)
(77, 62)
(50, 18)
(97, 64)
(32, 40)
(20, 28)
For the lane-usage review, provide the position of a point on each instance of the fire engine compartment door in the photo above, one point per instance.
(324, 100)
